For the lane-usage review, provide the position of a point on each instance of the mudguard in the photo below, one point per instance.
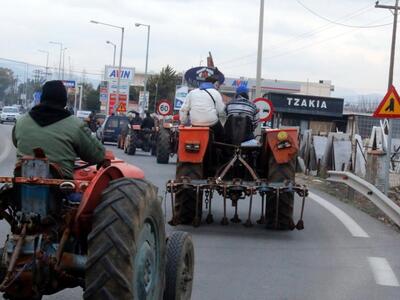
(98, 184)
(193, 142)
(287, 137)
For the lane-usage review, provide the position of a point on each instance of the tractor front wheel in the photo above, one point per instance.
(126, 247)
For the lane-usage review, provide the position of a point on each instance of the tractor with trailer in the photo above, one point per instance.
(103, 231)
(206, 168)
(167, 140)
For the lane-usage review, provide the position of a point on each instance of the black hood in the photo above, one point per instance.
(45, 115)
(54, 94)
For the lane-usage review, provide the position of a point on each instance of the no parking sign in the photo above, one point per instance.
(265, 109)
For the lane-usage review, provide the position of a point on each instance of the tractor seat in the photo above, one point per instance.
(238, 129)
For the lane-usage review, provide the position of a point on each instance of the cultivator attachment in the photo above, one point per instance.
(235, 190)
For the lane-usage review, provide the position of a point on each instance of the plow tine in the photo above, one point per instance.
(210, 218)
(173, 221)
(196, 221)
(224, 220)
(236, 218)
(248, 221)
(262, 218)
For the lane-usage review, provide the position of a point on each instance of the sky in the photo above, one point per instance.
(297, 44)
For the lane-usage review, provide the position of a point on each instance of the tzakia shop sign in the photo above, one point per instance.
(304, 104)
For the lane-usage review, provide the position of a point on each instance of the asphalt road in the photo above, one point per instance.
(341, 254)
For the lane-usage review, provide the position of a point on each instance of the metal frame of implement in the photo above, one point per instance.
(235, 190)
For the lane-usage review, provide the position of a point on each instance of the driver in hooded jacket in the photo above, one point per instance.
(62, 137)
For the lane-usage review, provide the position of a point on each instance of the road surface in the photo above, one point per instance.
(341, 254)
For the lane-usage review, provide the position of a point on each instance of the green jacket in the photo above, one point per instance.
(62, 142)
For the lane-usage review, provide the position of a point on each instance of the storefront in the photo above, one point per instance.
(321, 114)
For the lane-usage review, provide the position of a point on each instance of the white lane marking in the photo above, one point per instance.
(7, 149)
(347, 221)
(382, 271)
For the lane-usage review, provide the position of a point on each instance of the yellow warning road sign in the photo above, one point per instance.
(121, 107)
(389, 106)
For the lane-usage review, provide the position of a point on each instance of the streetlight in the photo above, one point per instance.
(120, 57)
(115, 49)
(61, 50)
(47, 60)
(259, 51)
(141, 109)
(63, 61)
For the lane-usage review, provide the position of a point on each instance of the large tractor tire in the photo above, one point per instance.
(163, 146)
(130, 144)
(280, 173)
(126, 247)
(185, 198)
(180, 266)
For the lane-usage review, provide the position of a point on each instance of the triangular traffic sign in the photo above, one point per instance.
(389, 106)
(121, 107)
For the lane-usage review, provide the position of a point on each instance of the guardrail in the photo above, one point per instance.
(385, 204)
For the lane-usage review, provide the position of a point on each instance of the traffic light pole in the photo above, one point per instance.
(395, 9)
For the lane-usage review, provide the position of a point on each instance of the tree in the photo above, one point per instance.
(134, 92)
(91, 97)
(162, 86)
(7, 81)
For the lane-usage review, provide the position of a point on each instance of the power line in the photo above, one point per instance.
(52, 68)
(289, 52)
(338, 23)
(305, 34)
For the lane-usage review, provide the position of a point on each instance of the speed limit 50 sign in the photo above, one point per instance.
(164, 108)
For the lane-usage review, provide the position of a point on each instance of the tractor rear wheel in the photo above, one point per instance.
(280, 173)
(185, 198)
(163, 146)
(126, 247)
(180, 266)
(130, 144)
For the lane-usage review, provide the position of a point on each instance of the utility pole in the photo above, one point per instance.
(395, 9)
(259, 51)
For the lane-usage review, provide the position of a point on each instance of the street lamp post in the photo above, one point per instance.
(59, 63)
(63, 62)
(120, 56)
(259, 51)
(115, 49)
(145, 70)
(47, 61)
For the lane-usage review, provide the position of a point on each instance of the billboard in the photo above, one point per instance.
(111, 75)
(127, 74)
(305, 104)
(141, 100)
(180, 96)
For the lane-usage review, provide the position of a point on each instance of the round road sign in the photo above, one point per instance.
(164, 108)
(265, 107)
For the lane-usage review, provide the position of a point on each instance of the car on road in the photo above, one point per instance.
(9, 114)
(111, 128)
